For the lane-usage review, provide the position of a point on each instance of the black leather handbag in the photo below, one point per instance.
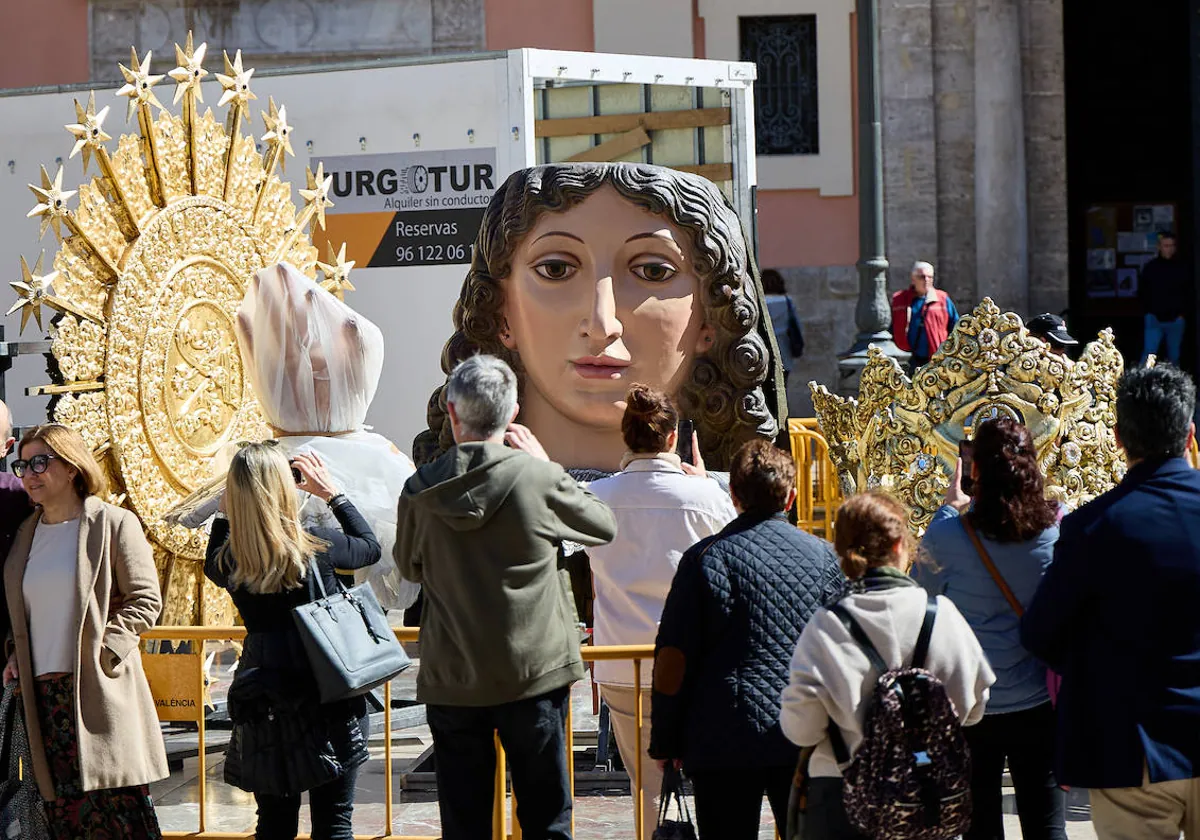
(346, 636)
(680, 828)
(21, 811)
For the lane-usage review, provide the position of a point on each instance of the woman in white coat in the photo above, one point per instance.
(832, 679)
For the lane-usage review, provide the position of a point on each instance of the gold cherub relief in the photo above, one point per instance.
(901, 434)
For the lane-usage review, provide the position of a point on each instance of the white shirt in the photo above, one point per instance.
(49, 588)
(661, 512)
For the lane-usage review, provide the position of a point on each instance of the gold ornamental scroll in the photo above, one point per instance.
(150, 271)
(901, 434)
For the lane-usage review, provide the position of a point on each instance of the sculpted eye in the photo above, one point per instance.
(655, 272)
(555, 269)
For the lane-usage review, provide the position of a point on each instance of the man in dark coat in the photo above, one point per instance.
(14, 503)
(1116, 615)
(736, 608)
(1163, 288)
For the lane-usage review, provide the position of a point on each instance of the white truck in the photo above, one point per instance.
(415, 148)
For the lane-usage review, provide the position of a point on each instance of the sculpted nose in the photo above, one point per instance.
(602, 327)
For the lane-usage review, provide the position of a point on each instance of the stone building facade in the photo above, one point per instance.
(973, 109)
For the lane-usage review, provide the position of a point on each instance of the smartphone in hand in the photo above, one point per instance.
(966, 453)
(684, 447)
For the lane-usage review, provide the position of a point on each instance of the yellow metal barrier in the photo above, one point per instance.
(818, 494)
(500, 816)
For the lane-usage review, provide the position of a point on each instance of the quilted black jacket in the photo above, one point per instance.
(737, 605)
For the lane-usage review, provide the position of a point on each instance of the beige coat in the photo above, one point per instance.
(120, 742)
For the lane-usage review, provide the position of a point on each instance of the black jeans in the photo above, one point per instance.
(534, 735)
(1026, 739)
(330, 806)
(729, 801)
(826, 816)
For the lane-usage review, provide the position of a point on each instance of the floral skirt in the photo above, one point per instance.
(116, 814)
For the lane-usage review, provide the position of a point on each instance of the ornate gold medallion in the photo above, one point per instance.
(146, 286)
(902, 434)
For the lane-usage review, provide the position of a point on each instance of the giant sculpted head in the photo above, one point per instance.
(588, 278)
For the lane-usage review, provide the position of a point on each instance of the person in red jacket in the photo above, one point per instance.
(922, 316)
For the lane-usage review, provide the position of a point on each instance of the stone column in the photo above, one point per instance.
(1001, 200)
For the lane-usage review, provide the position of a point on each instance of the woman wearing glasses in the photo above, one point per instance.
(81, 587)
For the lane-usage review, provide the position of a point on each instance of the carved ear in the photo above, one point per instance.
(506, 337)
(706, 338)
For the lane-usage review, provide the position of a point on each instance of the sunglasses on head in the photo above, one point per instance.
(38, 464)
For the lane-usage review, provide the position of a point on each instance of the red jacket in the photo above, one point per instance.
(935, 314)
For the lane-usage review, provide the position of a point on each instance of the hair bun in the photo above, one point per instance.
(643, 402)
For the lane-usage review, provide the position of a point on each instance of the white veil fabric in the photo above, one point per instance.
(315, 364)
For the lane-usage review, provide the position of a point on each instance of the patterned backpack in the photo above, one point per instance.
(910, 779)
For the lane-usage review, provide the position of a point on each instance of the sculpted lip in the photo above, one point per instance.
(599, 367)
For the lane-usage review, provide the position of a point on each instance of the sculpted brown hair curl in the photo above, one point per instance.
(649, 419)
(735, 391)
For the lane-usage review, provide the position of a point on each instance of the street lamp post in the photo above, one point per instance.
(873, 314)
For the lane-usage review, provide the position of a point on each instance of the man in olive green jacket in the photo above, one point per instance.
(481, 528)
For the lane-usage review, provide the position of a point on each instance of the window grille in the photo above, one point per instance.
(785, 96)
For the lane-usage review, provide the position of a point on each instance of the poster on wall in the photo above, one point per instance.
(1143, 219)
(1127, 282)
(408, 208)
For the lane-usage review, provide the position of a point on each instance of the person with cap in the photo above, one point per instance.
(1052, 329)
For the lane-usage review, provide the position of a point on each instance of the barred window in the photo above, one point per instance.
(785, 96)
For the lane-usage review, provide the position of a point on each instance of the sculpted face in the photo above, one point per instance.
(600, 296)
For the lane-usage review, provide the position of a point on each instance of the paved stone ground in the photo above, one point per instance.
(599, 814)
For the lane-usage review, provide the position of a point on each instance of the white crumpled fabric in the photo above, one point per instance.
(315, 365)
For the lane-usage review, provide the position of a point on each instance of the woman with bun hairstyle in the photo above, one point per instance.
(1017, 528)
(663, 506)
(831, 677)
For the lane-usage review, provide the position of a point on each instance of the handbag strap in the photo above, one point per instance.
(672, 786)
(1001, 583)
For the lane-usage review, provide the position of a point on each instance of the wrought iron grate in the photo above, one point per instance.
(785, 96)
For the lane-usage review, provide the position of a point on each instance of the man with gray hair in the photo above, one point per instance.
(923, 316)
(14, 504)
(481, 528)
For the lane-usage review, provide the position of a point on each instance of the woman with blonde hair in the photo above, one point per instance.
(93, 732)
(284, 741)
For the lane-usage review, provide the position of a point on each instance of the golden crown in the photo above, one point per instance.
(902, 434)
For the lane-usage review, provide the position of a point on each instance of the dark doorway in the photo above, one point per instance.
(1129, 118)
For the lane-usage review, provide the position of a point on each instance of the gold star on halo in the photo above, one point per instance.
(88, 129)
(236, 82)
(337, 271)
(279, 133)
(317, 194)
(52, 202)
(139, 84)
(190, 70)
(33, 290)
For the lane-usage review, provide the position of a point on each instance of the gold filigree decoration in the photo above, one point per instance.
(902, 434)
(152, 266)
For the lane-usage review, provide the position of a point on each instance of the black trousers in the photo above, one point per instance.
(534, 735)
(729, 801)
(1026, 740)
(330, 806)
(826, 816)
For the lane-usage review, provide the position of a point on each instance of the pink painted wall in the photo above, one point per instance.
(44, 43)
(549, 24)
(802, 228)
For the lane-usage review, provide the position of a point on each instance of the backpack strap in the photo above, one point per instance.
(922, 649)
(1001, 583)
(841, 753)
(859, 635)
